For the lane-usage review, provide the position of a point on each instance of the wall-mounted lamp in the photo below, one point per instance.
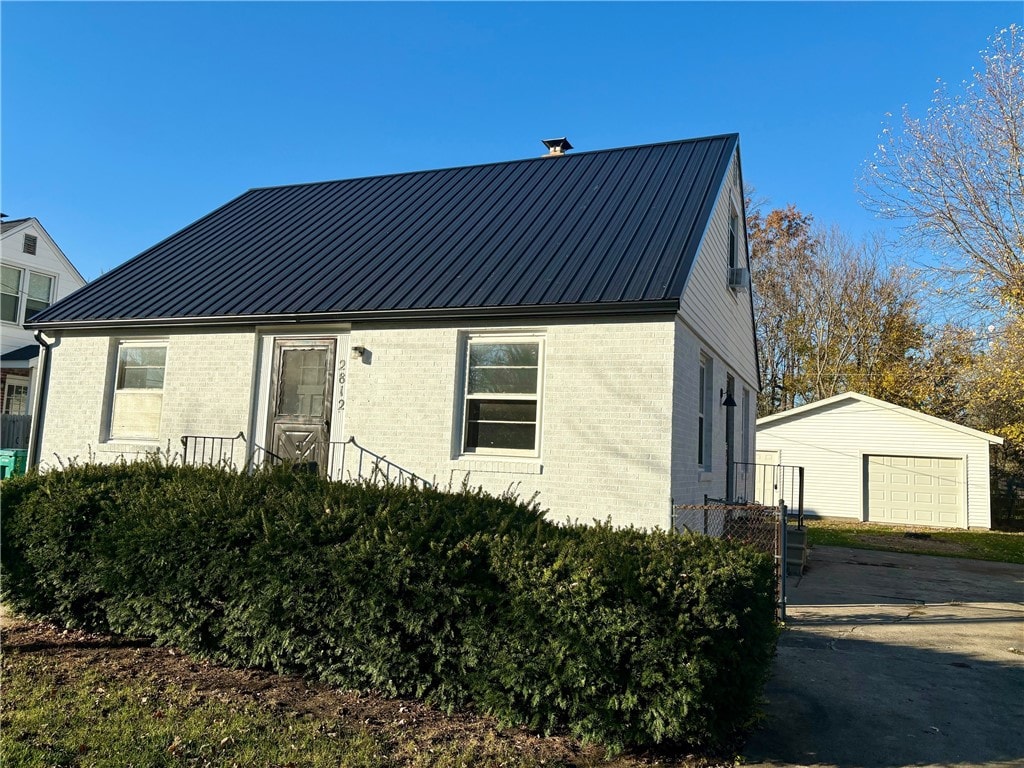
(726, 399)
(358, 352)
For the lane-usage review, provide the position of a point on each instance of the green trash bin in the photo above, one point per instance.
(12, 462)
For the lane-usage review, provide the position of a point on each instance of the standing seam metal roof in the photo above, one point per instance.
(597, 229)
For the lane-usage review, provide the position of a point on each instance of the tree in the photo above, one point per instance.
(996, 387)
(831, 315)
(956, 177)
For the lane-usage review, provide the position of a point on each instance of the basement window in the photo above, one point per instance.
(502, 395)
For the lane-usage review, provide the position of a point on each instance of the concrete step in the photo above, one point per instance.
(796, 551)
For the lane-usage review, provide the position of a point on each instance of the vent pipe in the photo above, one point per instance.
(556, 147)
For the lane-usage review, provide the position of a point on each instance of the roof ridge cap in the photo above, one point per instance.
(733, 135)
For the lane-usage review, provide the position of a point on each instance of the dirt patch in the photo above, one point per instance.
(410, 724)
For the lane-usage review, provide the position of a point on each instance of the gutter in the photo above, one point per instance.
(35, 434)
(605, 309)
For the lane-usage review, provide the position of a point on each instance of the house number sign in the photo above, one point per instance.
(341, 384)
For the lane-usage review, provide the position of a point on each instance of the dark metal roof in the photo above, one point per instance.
(10, 224)
(28, 352)
(607, 231)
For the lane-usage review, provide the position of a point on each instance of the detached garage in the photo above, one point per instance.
(871, 460)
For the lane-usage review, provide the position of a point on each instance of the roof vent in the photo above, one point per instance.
(556, 147)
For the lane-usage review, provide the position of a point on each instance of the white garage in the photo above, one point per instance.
(871, 460)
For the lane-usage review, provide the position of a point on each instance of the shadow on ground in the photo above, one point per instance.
(897, 660)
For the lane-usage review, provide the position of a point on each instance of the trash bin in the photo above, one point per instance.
(12, 462)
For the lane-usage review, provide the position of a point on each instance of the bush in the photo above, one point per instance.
(622, 637)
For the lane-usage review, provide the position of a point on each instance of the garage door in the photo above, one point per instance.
(915, 490)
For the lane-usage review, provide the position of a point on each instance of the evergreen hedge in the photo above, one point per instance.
(464, 599)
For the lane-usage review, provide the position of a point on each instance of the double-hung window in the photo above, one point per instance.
(502, 394)
(734, 240)
(10, 294)
(138, 390)
(15, 284)
(704, 414)
(38, 296)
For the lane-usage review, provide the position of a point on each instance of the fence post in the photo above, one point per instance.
(800, 502)
(783, 559)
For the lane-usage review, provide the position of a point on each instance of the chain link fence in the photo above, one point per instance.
(753, 525)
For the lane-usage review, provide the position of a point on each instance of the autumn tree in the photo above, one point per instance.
(955, 178)
(831, 315)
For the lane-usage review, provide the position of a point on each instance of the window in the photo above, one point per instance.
(10, 294)
(138, 389)
(704, 414)
(502, 395)
(15, 396)
(37, 291)
(734, 240)
(29, 244)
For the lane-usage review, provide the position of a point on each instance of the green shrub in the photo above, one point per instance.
(461, 598)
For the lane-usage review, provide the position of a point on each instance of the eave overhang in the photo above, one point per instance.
(540, 311)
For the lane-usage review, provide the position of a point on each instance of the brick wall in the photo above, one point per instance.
(207, 390)
(606, 415)
(610, 444)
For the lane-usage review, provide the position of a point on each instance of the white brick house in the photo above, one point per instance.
(566, 326)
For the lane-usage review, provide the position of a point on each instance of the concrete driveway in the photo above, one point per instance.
(897, 660)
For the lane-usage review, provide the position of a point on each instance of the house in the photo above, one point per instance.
(871, 460)
(570, 325)
(35, 273)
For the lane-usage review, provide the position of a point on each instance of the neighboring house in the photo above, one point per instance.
(35, 273)
(871, 460)
(568, 326)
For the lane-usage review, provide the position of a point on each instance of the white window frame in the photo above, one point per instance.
(17, 295)
(466, 397)
(734, 238)
(9, 383)
(49, 299)
(120, 397)
(24, 280)
(705, 422)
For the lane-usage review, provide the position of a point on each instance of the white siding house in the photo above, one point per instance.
(873, 461)
(36, 273)
(543, 326)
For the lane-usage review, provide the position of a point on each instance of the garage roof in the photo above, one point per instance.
(817, 405)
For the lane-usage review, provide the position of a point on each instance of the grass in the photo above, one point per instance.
(93, 721)
(51, 719)
(977, 545)
(76, 700)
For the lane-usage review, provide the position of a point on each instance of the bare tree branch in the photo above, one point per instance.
(956, 177)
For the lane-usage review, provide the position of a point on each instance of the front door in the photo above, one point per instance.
(300, 404)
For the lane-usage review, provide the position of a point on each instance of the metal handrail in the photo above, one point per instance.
(215, 450)
(208, 450)
(380, 467)
(772, 484)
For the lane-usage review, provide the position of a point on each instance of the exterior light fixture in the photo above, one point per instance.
(726, 399)
(358, 352)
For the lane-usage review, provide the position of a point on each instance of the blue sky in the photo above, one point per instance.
(124, 122)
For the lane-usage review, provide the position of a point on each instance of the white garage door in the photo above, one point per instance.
(915, 490)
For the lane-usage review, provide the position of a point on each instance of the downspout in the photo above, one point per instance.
(43, 372)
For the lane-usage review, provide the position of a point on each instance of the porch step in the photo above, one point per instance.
(796, 551)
